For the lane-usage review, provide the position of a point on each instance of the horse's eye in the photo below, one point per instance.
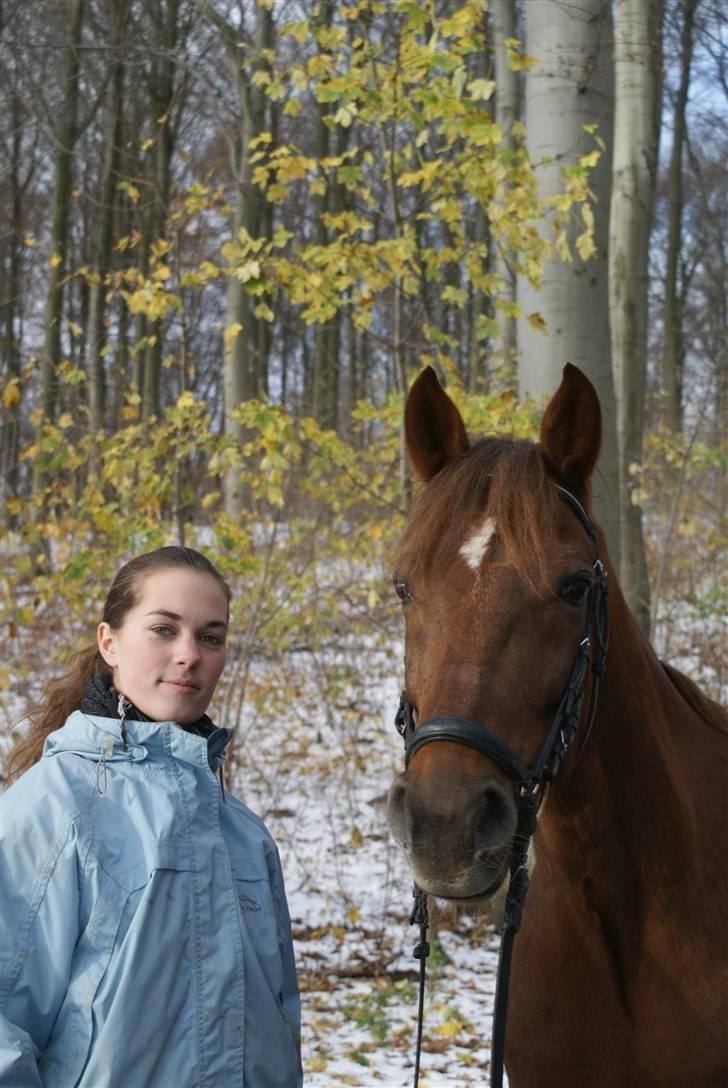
(574, 590)
(403, 588)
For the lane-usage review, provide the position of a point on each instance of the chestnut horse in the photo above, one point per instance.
(620, 973)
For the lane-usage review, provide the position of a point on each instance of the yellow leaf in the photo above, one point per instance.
(231, 334)
(356, 837)
(11, 393)
(449, 1028)
(481, 89)
(353, 913)
(585, 246)
(160, 247)
(591, 158)
(29, 241)
(316, 1065)
(54, 260)
(248, 270)
(65, 421)
(186, 399)
(131, 189)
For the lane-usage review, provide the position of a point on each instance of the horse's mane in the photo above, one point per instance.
(506, 475)
(711, 712)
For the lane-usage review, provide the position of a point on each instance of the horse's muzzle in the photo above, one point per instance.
(457, 832)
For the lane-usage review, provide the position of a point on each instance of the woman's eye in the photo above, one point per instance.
(403, 589)
(213, 640)
(575, 590)
(161, 629)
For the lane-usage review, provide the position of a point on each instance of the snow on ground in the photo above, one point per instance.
(350, 896)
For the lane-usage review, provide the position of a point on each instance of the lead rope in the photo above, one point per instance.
(420, 917)
(515, 899)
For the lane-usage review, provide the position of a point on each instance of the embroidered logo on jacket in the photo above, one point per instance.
(246, 903)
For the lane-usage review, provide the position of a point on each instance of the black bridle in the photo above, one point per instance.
(531, 782)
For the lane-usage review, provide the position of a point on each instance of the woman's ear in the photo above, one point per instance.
(106, 640)
(434, 429)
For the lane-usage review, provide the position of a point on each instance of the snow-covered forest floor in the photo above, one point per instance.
(320, 782)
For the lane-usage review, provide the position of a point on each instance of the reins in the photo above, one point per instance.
(531, 783)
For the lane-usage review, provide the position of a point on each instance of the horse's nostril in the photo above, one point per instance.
(397, 815)
(494, 823)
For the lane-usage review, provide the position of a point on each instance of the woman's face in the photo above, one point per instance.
(168, 654)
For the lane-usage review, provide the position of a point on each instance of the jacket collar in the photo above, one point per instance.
(90, 734)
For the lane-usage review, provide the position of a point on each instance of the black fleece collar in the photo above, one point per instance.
(102, 699)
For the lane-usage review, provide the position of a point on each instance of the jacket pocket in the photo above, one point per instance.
(148, 990)
(60, 1062)
(259, 921)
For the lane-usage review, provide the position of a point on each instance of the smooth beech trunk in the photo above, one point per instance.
(637, 58)
(571, 87)
(503, 28)
(673, 350)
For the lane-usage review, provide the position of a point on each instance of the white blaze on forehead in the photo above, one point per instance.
(474, 549)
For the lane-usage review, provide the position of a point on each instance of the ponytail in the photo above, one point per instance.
(61, 696)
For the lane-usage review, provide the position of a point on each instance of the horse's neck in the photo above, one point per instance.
(632, 800)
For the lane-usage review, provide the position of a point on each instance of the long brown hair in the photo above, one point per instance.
(63, 694)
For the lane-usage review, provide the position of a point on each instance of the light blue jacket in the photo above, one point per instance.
(144, 934)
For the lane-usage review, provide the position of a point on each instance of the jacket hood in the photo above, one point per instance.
(93, 736)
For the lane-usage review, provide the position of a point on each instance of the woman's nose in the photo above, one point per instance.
(188, 650)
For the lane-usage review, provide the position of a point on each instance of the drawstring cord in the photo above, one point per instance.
(107, 748)
(122, 708)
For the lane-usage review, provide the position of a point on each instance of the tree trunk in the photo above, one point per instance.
(11, 311)
(572, 87)
(328, 336)
(637, 55)
(503, 27)
(65, 140)
(104, 234)
(245, 357)
(673, 349)
(162, 101)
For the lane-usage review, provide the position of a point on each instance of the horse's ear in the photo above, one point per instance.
(433, 427)
(571, 432)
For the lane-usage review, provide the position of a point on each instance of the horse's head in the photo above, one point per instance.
(494, 574)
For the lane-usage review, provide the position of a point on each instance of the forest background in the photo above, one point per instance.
(231, 234)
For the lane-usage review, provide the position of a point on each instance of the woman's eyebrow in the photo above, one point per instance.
(174, 616)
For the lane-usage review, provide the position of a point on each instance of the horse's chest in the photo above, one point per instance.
(584, 1012)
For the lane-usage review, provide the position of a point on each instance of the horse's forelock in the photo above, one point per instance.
(503, 478)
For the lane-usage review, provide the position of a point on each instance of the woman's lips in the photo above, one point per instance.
(182, 685)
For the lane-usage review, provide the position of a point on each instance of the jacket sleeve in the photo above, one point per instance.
(290, 998)
(39, 924)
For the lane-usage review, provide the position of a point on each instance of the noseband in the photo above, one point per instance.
(531, 781)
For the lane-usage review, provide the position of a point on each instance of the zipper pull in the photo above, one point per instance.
(121, 709)
(107, 748)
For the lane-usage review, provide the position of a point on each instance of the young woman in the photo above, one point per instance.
(144, 934)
